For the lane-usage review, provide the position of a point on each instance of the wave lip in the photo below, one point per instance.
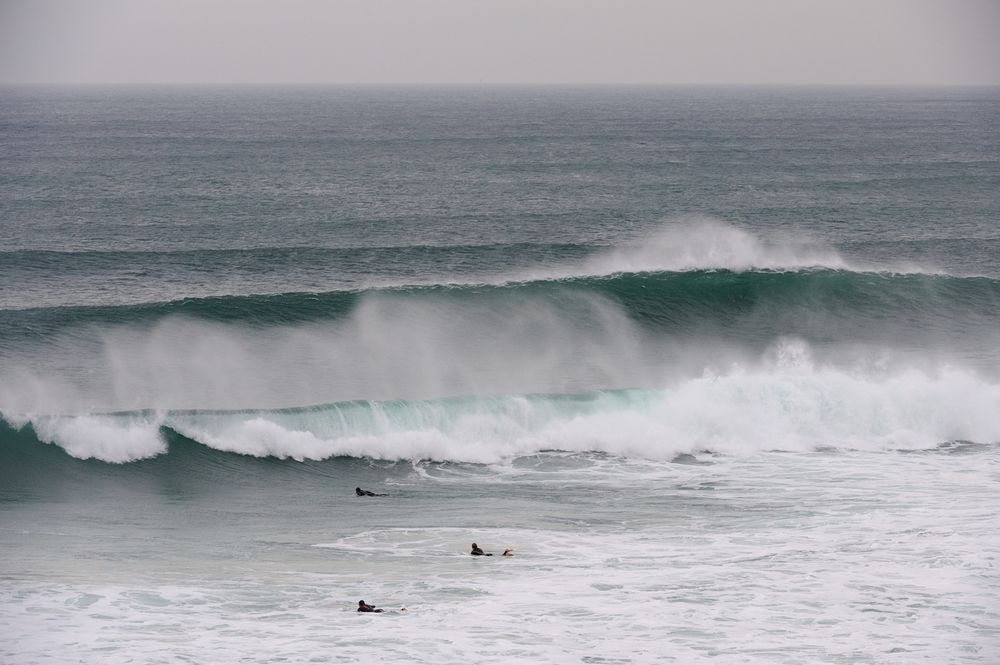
(115, 439)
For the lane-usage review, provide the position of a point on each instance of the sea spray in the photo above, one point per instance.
(788, 401)
(699, 243)
(629, 330)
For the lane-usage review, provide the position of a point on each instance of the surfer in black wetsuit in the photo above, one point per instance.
(365, 607)
(476, 551)
(361, 492)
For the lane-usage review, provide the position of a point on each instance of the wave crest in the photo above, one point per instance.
(705, 243)
(790, 403)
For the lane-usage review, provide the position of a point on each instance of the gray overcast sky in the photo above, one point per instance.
(501, 41)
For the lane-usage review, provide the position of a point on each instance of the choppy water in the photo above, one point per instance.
(720, 365)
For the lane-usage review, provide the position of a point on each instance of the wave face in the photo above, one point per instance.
(653, 299)
(918, 312)
(789, 405)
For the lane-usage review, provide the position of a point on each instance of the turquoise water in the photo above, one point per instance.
(721, 365)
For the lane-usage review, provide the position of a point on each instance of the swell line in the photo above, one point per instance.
(651, 297)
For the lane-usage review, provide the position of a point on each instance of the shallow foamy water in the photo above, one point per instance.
(840, 557)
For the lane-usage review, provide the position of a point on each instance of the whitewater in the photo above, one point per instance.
(721, 368)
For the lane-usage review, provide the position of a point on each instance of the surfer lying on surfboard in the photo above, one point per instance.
(365, 607)
(361, 492)
(478, 551)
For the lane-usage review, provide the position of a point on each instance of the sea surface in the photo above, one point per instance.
(721, 366)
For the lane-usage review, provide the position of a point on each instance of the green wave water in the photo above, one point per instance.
(820, 304)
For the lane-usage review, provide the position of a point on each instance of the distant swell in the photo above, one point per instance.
(656, 299)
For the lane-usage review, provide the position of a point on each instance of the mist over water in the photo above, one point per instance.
(704, 243)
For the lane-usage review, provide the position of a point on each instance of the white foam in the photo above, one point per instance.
(785, 401)
(107, 438)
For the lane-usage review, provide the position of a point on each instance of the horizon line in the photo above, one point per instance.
(480, 84)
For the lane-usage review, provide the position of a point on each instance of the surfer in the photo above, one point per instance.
(508, 552)
(477, 551)
(365, 607)
(361, 492)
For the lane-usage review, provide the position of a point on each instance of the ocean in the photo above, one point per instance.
(720, 365)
